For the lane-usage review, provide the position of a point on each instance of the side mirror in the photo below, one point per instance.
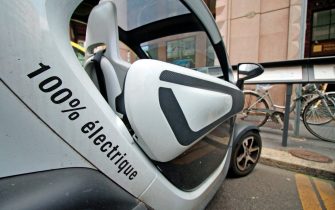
(247, 71)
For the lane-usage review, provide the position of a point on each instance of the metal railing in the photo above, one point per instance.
(303, 71)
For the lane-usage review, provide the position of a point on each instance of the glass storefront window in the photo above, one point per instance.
(323, 25)
(320, 33)
(321, 18)
(332, 31)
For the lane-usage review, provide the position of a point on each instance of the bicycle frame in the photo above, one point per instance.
(267, 97)
(259, 99)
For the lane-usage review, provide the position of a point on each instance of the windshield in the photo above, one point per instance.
(142, 12)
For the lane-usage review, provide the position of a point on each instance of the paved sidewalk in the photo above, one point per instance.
(274, 154)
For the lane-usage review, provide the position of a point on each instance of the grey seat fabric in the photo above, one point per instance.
(113, 87)
(102, 30)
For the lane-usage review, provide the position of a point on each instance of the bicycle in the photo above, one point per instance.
(319, 116)
(318, 110)
(259, 106)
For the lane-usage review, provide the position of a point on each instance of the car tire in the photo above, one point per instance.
(245, 154)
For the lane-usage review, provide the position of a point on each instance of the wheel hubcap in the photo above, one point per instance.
(247, 153)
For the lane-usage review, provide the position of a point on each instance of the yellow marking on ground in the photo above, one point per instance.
(327, 193)
(308, 198)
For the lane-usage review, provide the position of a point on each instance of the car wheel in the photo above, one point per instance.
(245, 154)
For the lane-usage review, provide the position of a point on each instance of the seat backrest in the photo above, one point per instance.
(112, 85)
(102, 29)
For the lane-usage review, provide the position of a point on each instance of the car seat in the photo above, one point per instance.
(102, 31)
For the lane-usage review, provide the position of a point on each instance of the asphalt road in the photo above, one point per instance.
(272, 188)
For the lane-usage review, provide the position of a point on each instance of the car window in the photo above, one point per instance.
(79, 51)
(126, 53)
(191, 50)
(147, 11)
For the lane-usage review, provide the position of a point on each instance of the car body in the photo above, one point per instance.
(163, 135)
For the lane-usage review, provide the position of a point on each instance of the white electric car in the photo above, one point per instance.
(158, 132)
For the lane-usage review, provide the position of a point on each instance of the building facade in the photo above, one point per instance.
(253, 31)
(261, 30)
(276, 30)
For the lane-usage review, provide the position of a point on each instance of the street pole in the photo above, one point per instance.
(302, 52)
(287, 114)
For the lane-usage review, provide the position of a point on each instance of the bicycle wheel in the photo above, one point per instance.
(254, 110)
(318, 117)
(304, 101)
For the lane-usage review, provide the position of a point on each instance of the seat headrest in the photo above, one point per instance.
(102, 28)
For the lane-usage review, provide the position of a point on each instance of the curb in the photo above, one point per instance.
(303, 134)
(284, 160)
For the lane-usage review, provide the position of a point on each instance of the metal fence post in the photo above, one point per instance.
(287, 114)
(298, 111)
